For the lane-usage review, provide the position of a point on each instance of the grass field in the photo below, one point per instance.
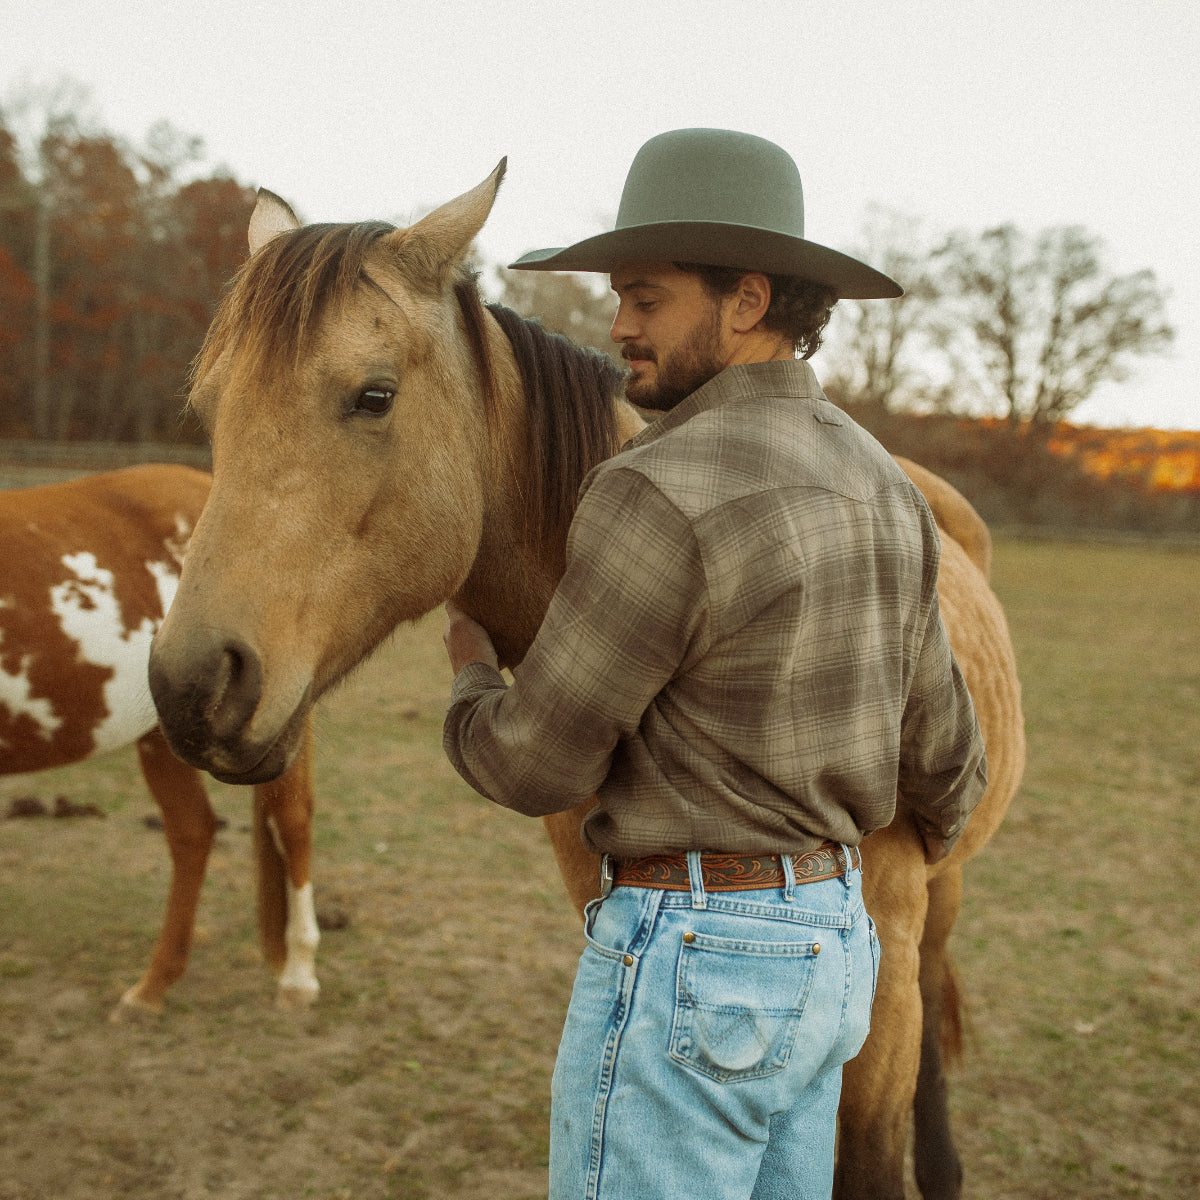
(424, 1070)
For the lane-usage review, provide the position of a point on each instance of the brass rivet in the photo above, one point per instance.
(628, 960)
(816, 947)
(689, 938)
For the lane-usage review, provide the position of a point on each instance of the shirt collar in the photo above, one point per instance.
(787, 379)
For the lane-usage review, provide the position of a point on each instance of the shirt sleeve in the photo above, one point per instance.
(943, 767)
(628, 614)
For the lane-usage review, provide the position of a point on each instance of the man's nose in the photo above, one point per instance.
(623, 329)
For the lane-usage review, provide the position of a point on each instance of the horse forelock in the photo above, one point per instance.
(278, 296)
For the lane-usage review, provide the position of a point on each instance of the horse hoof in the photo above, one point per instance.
(131, 1009)
(296, 999)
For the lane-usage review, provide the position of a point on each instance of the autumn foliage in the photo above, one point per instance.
(1063, 476)
(110, 268)
(1154, 459)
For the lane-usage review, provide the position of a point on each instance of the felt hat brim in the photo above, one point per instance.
(717, 244)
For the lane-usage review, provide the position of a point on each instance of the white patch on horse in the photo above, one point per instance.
(177, 546)
(166, 579)
(87, 609)
(299, 973)
(15, 695)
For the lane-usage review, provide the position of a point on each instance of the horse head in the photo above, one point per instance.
(348, 417)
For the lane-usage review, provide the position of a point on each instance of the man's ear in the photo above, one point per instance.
(751, 301)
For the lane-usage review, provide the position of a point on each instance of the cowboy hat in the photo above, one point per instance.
(720, 198)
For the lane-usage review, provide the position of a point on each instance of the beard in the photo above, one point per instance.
(681, 370)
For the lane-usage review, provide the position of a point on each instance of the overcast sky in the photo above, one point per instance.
(967, 113)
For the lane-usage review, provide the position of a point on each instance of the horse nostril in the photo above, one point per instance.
(236, 689)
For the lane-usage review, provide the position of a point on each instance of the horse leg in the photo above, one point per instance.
(189, 824)
(939, 1172)
(283, 814)
(878, 1086)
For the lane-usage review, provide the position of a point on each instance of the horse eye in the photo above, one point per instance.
(375, 401)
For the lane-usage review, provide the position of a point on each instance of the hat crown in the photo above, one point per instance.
(713, 175)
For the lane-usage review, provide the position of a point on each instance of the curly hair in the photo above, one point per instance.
(799, 309)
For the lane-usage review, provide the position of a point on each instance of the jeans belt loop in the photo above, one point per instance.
(696, 876)
(789, 877)
(606, 876)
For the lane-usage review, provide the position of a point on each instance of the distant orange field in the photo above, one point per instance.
(1156, 459)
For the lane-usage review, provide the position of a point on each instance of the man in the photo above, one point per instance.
(744, 661)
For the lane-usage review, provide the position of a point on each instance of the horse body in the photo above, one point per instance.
(90, 568)
(379, 447)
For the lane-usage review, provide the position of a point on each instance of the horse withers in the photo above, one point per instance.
(87, 571)
(383, 441)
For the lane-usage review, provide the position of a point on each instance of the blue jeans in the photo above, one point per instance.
(702, 1053)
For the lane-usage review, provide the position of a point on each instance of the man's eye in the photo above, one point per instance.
(374, 401)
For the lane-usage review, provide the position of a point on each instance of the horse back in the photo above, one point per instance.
(87, 570)
(954, 514)
(978, 634)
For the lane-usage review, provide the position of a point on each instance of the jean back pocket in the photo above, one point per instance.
(738, 1004)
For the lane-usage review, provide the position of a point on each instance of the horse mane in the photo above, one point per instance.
(570, 397)
(278, 294)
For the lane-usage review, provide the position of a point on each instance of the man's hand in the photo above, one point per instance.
(466, 640)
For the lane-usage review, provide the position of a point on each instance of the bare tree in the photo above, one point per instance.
(1040, 324)
(34, 115)
(878, 352)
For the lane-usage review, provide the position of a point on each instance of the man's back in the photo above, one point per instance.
(805, 598)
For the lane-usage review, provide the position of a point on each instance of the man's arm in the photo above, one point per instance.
(943, 766)
(620, 623)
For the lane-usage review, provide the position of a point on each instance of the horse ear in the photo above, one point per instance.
(437, 242)
(271, 217)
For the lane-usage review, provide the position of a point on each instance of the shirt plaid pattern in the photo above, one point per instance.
(745, 652)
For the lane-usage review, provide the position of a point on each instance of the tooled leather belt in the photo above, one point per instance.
(731, 872)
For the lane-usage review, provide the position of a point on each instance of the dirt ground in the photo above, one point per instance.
(424, 1069)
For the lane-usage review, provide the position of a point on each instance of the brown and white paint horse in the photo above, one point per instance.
(87, 571)
(381, 442)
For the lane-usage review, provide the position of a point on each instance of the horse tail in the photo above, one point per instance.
(953, 1017)
(271, 872)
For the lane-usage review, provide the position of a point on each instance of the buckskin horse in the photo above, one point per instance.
(89, 569)
(382, 441)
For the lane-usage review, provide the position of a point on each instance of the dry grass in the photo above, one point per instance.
(1080, 941)
(424, 1071)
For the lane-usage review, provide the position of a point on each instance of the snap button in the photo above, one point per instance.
(816, 947)
(689, 938)
(628, 960)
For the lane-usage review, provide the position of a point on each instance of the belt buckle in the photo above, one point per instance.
(606, 876)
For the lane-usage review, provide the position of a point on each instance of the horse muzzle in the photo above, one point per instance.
(209, 694)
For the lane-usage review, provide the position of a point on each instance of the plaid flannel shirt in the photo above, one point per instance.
(745, 652)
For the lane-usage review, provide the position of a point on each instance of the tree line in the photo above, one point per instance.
(113, 256)
(112, 260)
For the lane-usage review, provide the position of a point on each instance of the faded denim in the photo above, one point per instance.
(702, 1053)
